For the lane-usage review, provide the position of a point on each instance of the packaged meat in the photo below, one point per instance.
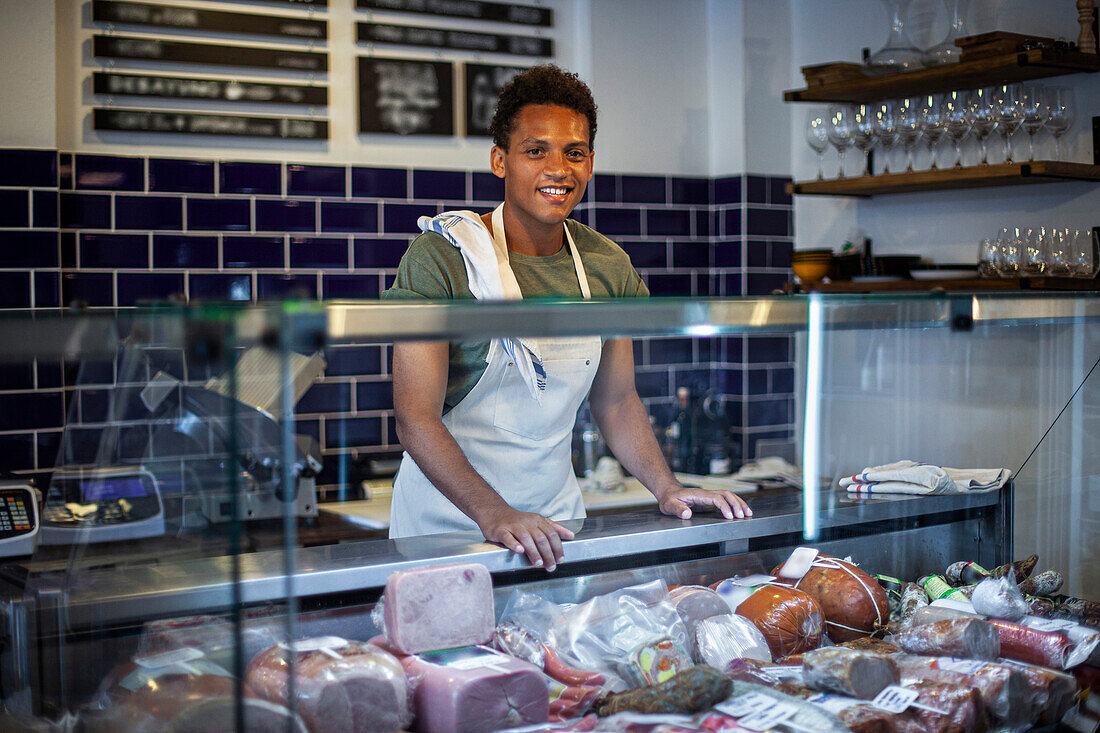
(962, 708)
(721, 639)
(659, 659)
(219, 714)
(848, 672)
(511, 638)
(695, 603)
(1003, 690)
(965, 573)
(893, 588)
(870, 644)
(859, 715)
(562, 672)
(1045, 583)
(790, 620)
(1048, 648)
(936, 587)
(689, 691)
(1021, 569)
(748, 698)
(1054, 691)
(853, 603)
(750, 670)
(213, 635)
(339, 685)
(474, 690)
(933, 613)
(965, 638)
(912, 598)
(999, 598)
(570, 701)
(438, 607)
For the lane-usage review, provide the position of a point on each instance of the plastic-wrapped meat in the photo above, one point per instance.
(721, 639)
(1023, 643)
(999, 598)
(962, 705)
(966, 638)
(853, 603)
(933, 613)
(1003, 690)
(474, 690)
(695, 603)
(339, 685)
(1054, 690)
(690, 691)
(859, 715)
(912, 598)
(1020, 568)
(848, 672)
(870, 644)
(1042, 584)
(416, 602)
(965, 573)
(790, 620)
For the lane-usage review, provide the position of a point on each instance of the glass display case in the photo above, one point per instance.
(187, 531)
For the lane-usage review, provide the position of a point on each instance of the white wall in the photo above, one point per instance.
(27, 116)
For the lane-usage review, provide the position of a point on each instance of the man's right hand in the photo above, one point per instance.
(528, 534)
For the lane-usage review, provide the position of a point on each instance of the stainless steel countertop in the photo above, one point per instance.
(97, 597)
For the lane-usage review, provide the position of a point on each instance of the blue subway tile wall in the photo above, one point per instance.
(112, 231)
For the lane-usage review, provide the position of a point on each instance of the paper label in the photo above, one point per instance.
(785, 673)
(165, 659)
(962, 666)
(1049, 624)
(799, 563)
(748, 704)
(834, 703)
(324, 644)
(751, 581)
(895, 699)
(767, 719)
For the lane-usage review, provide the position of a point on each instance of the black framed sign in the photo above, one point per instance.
(174, 16)
(483, 85)
(182, 87)
(476, 9)
(192, 123)
(406, 96)
(155, 49)
(411, 35)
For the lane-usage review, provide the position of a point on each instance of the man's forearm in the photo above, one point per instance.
(625, 427)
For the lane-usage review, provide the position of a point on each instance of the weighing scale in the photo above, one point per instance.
(101, 505)
(18, 519)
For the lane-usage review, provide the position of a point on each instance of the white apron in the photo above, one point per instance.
(522, 449)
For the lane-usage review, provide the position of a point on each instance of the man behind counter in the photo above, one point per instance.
(487, 425)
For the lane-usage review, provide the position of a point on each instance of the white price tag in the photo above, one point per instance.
(324, 644)
(1049, 624)
(962, 666)
(488, 660)
(751, 581)
(798, 564)
(747, 704)
(833, 703)
(778, 713)
(894, 699)
(164, 659)
(785, 673)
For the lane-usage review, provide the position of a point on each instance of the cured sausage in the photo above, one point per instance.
(1048, 648)
(848, 672)
(1045, 583)
(966, 638)
(854, 603)
(790, 620)
(690, 691)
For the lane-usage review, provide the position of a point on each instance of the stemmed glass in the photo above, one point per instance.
(909, 127)
(1008, 110)
(1060, 112)
(1032, 261)
(839, 128)
(1035, 115)
(886, 131)
(982, 119)
(956, 117)
(818, 139)
(863, 132)
(932, 123)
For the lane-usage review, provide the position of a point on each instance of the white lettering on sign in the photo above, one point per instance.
(778, 713)
(748, 704)
(894, 699)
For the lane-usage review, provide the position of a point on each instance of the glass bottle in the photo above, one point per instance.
(946, 52)
(898, 54)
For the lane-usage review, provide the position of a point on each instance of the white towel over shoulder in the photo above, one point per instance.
(910, 477)
(491, 278)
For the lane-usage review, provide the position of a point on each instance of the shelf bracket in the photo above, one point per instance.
(1096, 140)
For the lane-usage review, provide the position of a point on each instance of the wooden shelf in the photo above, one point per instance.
(1036, 63)
(980, 176)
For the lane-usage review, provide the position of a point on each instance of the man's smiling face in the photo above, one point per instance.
(547, 165)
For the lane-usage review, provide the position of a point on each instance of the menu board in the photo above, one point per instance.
(192, 123)
(483, 85)
(406, 96)
(474, 9)
(407, 35)
(177, 17)
(183, 87)
(155, 49)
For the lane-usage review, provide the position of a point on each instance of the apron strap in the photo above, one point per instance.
(508, 278)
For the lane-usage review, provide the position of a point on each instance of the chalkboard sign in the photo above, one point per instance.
(476, 9)
(173, 16)
(483, 85)
(154, 49)
(191, 123)
(182, 87)
(409, 35)
(406, 96)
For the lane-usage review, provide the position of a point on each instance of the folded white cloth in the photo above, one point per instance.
(491, 278)
(769, 467)
(910, 477)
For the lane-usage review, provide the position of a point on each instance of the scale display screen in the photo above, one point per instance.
(128, 487)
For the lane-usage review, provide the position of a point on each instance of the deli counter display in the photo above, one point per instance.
(921, 471)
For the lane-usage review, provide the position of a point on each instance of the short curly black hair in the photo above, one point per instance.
(545, 84)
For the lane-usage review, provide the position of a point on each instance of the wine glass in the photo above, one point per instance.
(1008, 253)
(1035, 115)
(956, 117)
(1060, 113)
(839, 128)
(987, 257)
(818, 140)
(863, 132)
(932, 122)
(909, 127)
(1053, 243)
(982, 120)
(1082, 252)
(1032, 261)
(1008, 110)
(886, 131)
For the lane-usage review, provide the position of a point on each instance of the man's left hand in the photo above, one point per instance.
(677, 502)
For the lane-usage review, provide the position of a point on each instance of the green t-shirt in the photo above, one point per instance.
(433, 269)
